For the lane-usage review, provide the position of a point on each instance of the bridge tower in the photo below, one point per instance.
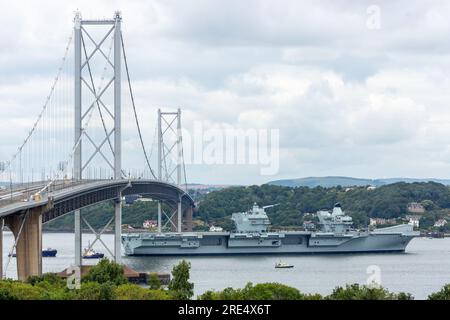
(84, 83)
(171, 166)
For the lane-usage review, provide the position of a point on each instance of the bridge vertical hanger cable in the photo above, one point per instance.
(134, 109)
(72, 152)
(85, 127)
(43, 110)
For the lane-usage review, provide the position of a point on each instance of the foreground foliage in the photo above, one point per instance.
(443, 294)
(105, 281)
(358, 292)
(261, 291)
(179, 286)
(106, 271)
(276, 291)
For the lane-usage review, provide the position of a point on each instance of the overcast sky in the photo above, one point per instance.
(348, 98)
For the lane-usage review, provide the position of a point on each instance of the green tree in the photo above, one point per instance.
(443, 294)
(51, 278)
(5, 294)
(135, 292)
(130, 292)
(96, 291)
(271, 291)
(179, 286)
(159, 294)
(226, 294)
(262, 291)
(106, 271)
(17, 290)
(154, 282)
(429, 205)
(358, 292)
(54, 288)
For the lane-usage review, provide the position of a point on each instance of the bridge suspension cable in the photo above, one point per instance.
(134, 109)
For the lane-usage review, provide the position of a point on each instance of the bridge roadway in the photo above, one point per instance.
(21, 211)
(79, 195)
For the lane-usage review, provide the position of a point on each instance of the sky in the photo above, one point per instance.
(352, 88)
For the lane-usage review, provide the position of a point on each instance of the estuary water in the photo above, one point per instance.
(423, 269)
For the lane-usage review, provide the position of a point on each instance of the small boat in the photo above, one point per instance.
(91, 254)
(49, 252)
(283, 265)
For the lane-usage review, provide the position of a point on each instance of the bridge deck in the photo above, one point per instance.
(79, 192)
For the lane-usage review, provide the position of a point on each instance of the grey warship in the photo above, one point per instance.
(251, 236)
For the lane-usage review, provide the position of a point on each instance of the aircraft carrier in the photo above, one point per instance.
(251, 236)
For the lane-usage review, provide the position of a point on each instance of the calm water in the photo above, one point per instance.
(423, 269)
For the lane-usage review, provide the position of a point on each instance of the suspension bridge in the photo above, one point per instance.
(72, 156)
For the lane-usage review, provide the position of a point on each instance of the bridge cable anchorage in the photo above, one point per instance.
(44, 108)
(14, 245)
(134, 108)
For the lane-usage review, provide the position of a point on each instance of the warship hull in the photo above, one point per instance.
(392, 239)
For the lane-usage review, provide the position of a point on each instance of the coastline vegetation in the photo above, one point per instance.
(106, 281)
(215, 208)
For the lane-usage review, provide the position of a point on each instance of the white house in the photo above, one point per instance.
(215, 229)
(149, 224)
(440, 223)
(414, 221)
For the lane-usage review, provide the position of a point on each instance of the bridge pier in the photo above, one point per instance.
(182, 219)
(187, 219)
(29, 242)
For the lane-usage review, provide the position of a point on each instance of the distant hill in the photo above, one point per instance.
(200, 186)
(333, 181)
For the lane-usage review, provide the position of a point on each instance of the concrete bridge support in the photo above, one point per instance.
(187, 219)
(182, 222)
(28, 235)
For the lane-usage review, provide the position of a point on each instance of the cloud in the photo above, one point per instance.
(347, 100)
